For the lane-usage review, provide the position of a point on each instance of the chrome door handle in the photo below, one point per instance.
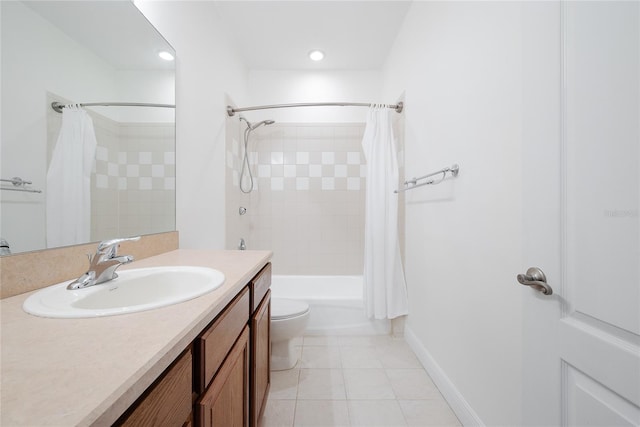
(536, 279)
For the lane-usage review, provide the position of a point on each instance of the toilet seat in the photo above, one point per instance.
(282, 308)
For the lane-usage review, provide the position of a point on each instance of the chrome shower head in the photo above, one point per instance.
(257, 125)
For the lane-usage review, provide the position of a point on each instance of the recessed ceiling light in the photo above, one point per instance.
(316, 55)
(166, 55)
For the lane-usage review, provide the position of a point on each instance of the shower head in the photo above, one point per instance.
(245, 160)
(257, 125)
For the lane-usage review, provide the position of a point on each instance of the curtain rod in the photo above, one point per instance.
(232, 110)
(58, 106)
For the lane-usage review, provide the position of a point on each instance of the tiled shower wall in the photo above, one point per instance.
(133, 187)
(147, 178)
(308, 199)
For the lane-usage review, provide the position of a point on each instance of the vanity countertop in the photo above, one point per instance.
(89, 371)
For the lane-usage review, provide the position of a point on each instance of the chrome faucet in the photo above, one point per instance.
(103, 265)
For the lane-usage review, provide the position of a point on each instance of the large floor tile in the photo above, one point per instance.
(398, 356)
(412, 384)
(321, 340)
(432, 412)
(363, 340)
(278, 413)
(369, 413)
(284, 384)
(368, 384)
(325, 384)
(321, 413)
(320, 357)
(359, 357)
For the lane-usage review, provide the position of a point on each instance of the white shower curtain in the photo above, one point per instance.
(385, 290)
(69, 180)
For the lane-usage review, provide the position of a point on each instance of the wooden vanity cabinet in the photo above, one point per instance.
(223, 378)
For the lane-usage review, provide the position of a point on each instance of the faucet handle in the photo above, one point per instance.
(110, 247)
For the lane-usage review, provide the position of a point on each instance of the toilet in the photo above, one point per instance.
(289, 319)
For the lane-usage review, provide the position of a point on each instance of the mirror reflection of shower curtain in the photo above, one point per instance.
(385, 290)
(68, 192)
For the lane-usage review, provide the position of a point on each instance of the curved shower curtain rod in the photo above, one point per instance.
(232, 110)
(58, 106)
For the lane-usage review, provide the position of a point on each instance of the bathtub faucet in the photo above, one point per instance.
(242, 245)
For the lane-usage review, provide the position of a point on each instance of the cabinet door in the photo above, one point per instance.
(260, 358)
(226, 401)
(168, 402)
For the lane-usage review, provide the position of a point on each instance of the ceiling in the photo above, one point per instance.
(269, 35)
(109, 29)
(277, 35)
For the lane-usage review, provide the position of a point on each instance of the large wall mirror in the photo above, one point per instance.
(85, 52)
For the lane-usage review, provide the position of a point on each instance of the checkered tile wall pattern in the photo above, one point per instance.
(133, 188)
(302, 158)
(130, 167)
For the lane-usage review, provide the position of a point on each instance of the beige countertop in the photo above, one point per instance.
(89, 371)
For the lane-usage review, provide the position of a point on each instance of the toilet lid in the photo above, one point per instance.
(282, 308)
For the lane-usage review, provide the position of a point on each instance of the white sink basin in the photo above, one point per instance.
(134, 290)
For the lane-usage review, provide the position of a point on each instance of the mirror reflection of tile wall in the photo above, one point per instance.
(308, 201)
(133, 184)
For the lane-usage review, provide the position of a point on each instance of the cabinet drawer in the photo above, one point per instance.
(217, 340)
(259, 286)
(168, 401)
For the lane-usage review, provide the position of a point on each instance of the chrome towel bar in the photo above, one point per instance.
(413, 182)
(19, 185)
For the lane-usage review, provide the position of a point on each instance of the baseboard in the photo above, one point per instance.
(456, 400)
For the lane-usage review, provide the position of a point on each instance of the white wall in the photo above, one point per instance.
(285, 87)
(207, 67)
(460, 64)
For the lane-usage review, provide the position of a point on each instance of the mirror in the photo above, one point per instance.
(86, 52)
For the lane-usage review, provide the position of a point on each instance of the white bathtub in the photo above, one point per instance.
(335, 303)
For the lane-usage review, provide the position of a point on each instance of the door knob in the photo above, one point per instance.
(536, 279)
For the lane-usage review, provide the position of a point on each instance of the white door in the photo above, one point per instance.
(581, 192)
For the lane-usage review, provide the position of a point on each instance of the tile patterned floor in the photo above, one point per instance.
(355, 381)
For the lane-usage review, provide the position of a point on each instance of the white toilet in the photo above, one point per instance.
(289, 319)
